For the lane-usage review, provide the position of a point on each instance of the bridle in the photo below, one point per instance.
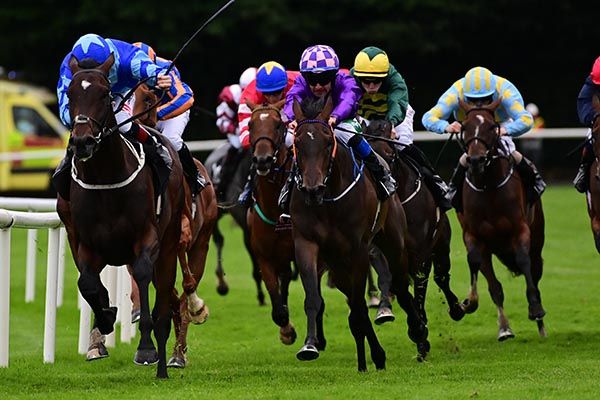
(82, 119)
(281, 130)
(491, 147)
(332, 154)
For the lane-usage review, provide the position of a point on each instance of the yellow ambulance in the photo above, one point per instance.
(32, 138)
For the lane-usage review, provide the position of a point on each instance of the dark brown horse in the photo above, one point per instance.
(273, 249)
(497, 219)
(237, 211)
(428, 238)
(197, 223)
(111, 216)
(594, 183)
(335, 215)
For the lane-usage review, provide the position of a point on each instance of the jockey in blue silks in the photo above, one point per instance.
(131, 65)
(320, 77)
(481, 87)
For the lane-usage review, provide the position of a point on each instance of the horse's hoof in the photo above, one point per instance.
(456, 312)
(373, 302)
(287, 334)
(384, 314)
(418, 335)
(222, 289)
(145, 357)
(261, 299)
(504, 334)
(97, 353)
(423, 349)
(308, 352)
(536, 312)
(541, 328)
(468, 306)
(176, 362)
(200, 316)
(135, 315)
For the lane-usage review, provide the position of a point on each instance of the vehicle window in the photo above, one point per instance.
(30, 123)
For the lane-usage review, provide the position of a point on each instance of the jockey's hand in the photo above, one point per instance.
(503, 131)
(393, 134)
(293, 125)
(332, 121)
(164, 82)
(454, 127)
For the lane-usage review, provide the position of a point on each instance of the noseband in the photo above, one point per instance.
(491, 147)
(280, 129)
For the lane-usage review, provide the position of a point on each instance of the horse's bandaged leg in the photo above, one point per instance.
(197, 309)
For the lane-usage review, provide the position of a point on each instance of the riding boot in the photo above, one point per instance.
(581, 181)
(286, 195)
(434, 182)
(228, 168)
(534, 184)
(61, 179)
(454, 194)
(193, 176)
(245, 198)
(386, 183)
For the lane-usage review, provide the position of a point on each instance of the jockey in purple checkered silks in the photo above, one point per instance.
(321, 77)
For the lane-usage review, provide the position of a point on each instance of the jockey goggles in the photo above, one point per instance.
(322, 78)
(370, 79)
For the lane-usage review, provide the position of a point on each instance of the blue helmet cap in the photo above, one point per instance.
(479, 82)
(271, 77)
(91, 46)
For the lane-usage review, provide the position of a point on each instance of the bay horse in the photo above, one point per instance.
(593, 200)
(497, 219)
(273, 248)
(237, 211)
(111, 215)
(335, 216)
(429, 233)
(197, 223)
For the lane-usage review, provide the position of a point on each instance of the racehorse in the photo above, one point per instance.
(594, 183)
(273, 249)
(213, 164)
(197, 223)
(111, 215)
(496, 217)
(335, 215)
(429, 232)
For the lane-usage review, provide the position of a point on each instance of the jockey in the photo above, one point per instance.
(320, 76)
(173, 116)
(480, 87)
(130, 66)
(385, 96)
(270, 86)
(227, 123)
(586, 112)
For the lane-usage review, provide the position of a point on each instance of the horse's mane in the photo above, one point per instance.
(312, 106)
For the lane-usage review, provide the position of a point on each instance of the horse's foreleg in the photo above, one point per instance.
(384, 280)
(222, 287)
(142, 272)
(497, 295)
(474, 259)
(321, 341)
(279, 312)
(523, 261)
(178, 308)
(165, 274)
(260, 295)
(441, 274)
(306, 258)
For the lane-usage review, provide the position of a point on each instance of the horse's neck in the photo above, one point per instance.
(342, 171)
(402, 171)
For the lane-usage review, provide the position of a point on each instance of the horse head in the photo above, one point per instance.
(145, 100)
(89, 106)
(315, 147)
(380, 128)
(480, 134)
(267, 135)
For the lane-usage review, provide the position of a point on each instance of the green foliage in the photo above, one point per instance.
(237, 353)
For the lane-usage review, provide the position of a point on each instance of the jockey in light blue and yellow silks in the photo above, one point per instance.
(481, 86)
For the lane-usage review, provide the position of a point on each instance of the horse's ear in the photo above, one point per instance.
(106, 65)
(363, 125)
(596, 102)
(251, 105)
(74, 64)
(298, 114)
(279, 105)
(327, 109)
(464, 105)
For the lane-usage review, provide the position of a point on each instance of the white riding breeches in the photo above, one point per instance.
(173, 128)
(404, 130)
(125, 113)
(234, 140)
(346, 129)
